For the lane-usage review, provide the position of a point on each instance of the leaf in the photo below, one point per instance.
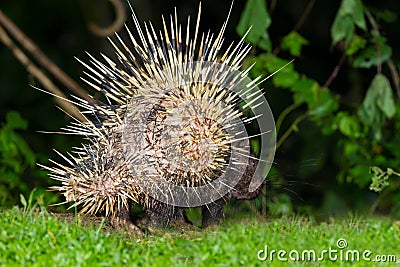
(377, 105)
(25, 150)
(23, 201)
(350, 13)
(385, 15)
(15, 121)
(379, 97)
(385, 100)
(359, 174)
(358, 14)
(355, 45)
(273, 63)
(349, 125)
(304, 91)
(256, 16)
(285, 77)
(328, 125)
(326, 103)
(320, 101)
(354, 9)
(294, 43)
(352, 151)
(379, 179)
(368, 111)
(342, 28)
(370, 56)
(255, 145)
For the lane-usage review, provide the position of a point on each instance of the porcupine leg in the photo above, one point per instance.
(212, 213)
(123, 220)
(163, 214)
(241, 190)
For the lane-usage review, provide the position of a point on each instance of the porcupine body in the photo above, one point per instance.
(170, 102)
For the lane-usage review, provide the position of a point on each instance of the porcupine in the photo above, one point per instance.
(148, 94)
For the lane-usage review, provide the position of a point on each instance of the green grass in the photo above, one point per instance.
(39, 239)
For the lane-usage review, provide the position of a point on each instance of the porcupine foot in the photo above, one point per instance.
(213, 212)
(122, 220)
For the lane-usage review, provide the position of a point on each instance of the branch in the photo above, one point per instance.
(381, 196)
(120, 18)
(299, 23)
(283, 115)
(290, 130)
(335, 71)
(42, 58)
(395, 76)
(32, 69)
(378, 48)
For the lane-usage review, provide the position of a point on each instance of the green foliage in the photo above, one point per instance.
(366, 130)
(371, 56)
(378, 105)
(256, 17)
(385, 15)
(349, 15)
(15, 157)
(18, 173)
(356, 44)
(33, 201)
(380, 178)
(320, 101)
(293, 42)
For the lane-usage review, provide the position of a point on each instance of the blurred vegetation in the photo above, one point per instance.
(40, 239)
(16, 157)
(336, 106)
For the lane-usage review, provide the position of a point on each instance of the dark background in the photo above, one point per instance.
(307, 161)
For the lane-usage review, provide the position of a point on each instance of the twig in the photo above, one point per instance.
(290, 130)
(47, 83)
(303, 17)
(378, 48)
(28, 44)
(283, 115)
(374, 205)
(395, 76)
(335, 71)
(120, 18)
(299, 23)
(272, 6)
(392, 67)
